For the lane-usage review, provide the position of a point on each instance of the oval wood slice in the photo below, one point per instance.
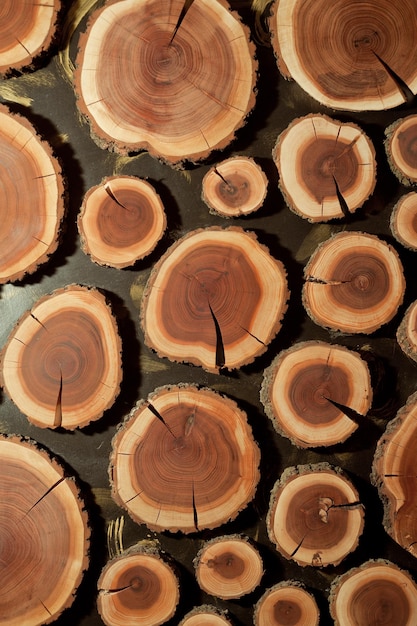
(32, 190)
(228, 567)
(377, 592)
(400, 146)
(45, 535)
(121, 221)
(315, 393)
(358, 54)
(184, 460)
(327, 168)
(172, 77)
(286, 604)
(315, 516)
(354, 283)
(61, 364)
(216, 298)
(407, 332)
(235, 187)
(205, 615)
(403, 221)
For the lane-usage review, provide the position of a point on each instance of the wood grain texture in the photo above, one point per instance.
(403, 220)
(287, 603)
(401, 148)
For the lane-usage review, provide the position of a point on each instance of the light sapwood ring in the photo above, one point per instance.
(403, 221)
(401, 149)
(287, 603)
(205, 615)
(407, 332)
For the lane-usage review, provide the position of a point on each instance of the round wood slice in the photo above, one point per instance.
(121, 221)
(377, 592)
(44, 535)
(354, 283)
(61, 364)
(228, 567)
(403, 221)
(216, 298)
(401, 149)
(315, 516)
(312, 391)
(407, 332)
(286, 604)
(327, 168)
(205, 615)
(184, 460)
(170, 77)
(235, 187)
(358, 53)
(32, 205)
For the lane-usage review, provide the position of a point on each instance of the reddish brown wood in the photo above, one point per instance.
(407, 332)
(401, 137)
(205, 615)
(403, 221)
(286, 604)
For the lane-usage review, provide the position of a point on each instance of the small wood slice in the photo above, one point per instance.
(228, 567)
(121, 221)
(62, 362)
(150, 77)
(216, 298)
(403, 220)
(358, 54)
(327, 168)
(32, 192)
(315, 516)
(205, 615)
(138, 588)
(312, 392)
(354, 283)
(234, 187)
(401, 149)
(377, 592)
(407, 332)
(286, 604)
(44, 535)
(184, 460)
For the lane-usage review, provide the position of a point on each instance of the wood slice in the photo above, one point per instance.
(138, 588)
(235, 187)
(216, 298)
(286, 604)
(403, 221)
(61, 364)
(354, 283)
(407, 332)
(400, 146)
(377, 592)
(150, 77)
(205, 615)
(121, 221)
(228, 567)
(312, 391)
(184, 460)
(358, 55)
(32, 191)
(44, 535)
(315, 516)
(327, 168)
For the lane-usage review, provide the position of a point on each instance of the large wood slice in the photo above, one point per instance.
(44, 535)
(287, 603)
(216, 299)
(61, 364)
(205, 615)
(354, 283)
(184, 460)
(311, 391)
(32, 204)
(400, 146)
(358, 53)
(327, 168)
(407, 332)
(172, 77)
(315, 516)
(403, 221)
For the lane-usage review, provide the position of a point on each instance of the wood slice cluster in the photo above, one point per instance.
(61, 364)
(407, 332)
(44, 535)
(184, 460)
(327, 168)
(403, 221)
(205, 615)
(286, 604)
(150, 77)
(400, 146)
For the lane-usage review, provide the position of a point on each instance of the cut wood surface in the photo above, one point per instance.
(377, 592)
(205, 615)
(228, 567)
(184, 460)
(32, 203)
(235, 187)
(44, 535)
(403, 221)
(286, 604)
(315, 393)
(61, 364)
(121, 220)
(216, 298)
(315, 516)
(400, 146)
(354, 283)
(327, 169)
(358, 55)
(407, 332)
(151, 77)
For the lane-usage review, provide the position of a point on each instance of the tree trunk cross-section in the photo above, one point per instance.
(403, 221)
(205, 615)
(184, 460)
(400, 146)
(286, 604)
(44, 536)
(172, 77)
(407, 332)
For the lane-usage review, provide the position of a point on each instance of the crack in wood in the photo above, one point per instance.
(183, 13)
(47, 492)
(353, 415)
(39, 322)
(157, 414)
(342, 202)
(45, 607)
(220, 355)
(195, 514)
(322, 281)
(254, 336)
(294, 552)
(400, 83)
(113, 197)
(58, 408)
